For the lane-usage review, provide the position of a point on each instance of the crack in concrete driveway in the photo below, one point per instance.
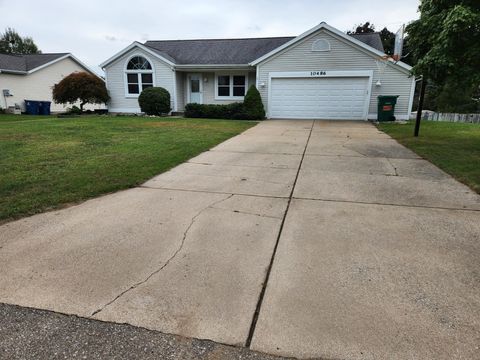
(369, 262)
(182, 243)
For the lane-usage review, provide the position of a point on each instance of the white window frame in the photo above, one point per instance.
(139, 74)
(231, 97)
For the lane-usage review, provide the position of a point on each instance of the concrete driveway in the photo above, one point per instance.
(295, 238)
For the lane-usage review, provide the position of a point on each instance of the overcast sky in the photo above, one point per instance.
(95, 30)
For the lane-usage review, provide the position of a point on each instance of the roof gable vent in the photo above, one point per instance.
(321, 45)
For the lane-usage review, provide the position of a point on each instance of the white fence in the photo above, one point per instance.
(463, 118)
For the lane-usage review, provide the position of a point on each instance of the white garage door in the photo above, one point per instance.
(319, 98)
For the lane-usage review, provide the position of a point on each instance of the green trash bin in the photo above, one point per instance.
(386, 107)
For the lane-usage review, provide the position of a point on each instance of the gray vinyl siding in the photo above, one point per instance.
(343, 56)
(115, 75)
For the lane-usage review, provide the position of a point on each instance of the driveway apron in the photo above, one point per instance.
(296, 238)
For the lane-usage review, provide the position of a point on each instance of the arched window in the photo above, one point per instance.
(139, 75)
(138, 63)
(321, 45)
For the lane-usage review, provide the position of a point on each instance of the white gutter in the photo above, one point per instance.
(213, 66)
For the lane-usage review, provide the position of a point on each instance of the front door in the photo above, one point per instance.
(195, 87)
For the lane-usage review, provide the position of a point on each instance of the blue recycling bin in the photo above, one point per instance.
(32, 107)
(44, 108)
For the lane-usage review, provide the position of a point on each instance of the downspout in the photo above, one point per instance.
(175, 103)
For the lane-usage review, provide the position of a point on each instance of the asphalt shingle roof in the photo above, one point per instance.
(370, 39)
(231, 51)
(26, 62)
(217, 51)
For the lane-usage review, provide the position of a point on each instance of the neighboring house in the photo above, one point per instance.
(31, 77)
(322, 74)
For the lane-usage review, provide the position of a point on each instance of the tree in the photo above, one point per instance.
(12, 43)
(445, 42)
(388, 41)
(387, 37)
(363, 29)
(80, 86)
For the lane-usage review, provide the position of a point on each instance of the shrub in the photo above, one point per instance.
(155, 101)
(250, 109)
(253, 104)
(74, 110)
(211, 111)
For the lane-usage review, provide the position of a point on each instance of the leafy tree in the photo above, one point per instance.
(387, 37)
(155, 101)
(80, 86)
(388, 40)
(12, 43)
(445, 43)
(362, 29)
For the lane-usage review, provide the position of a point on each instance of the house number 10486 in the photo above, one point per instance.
(318, 73)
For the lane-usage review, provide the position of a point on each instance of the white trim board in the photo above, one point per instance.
(214, 67)
(130, 47)
(322, 74)
(337, 32)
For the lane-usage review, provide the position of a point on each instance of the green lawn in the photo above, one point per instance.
(46, 162)
(453, 147)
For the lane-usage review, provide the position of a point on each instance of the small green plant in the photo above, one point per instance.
(75, 110)
(155, 101)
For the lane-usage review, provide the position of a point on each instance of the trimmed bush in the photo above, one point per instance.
(253, 104)
(250, 109)
(211, 111)
(155, 101)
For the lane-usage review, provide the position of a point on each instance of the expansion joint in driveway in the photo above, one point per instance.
(180, 247)
(258, 308)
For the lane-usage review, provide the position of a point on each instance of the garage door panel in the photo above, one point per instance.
(323, 98)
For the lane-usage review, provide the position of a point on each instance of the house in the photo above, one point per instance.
(322, 74)
(31, 77)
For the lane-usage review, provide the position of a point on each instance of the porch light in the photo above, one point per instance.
(262, 84)
(205, 79)
(378, 83)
